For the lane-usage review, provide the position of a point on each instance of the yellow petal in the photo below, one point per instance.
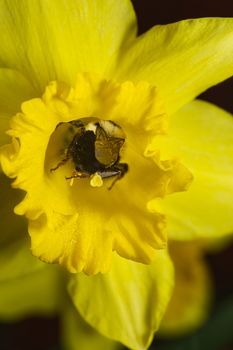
(27, 286)
(202, 135)
(17, 261)
(77, 334)
(32, 294)
(127, 303)
(190, 302)
(15, 89)
(182, 59)
(55, 39)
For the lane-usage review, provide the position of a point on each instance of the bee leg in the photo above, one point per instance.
(117, 177)
(122, 168)
(76, 174)
(77, 123)
(62, 162)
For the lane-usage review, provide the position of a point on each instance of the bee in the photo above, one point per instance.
(95, 149)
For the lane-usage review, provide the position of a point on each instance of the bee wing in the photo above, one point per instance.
(105, 153)
(107, 148)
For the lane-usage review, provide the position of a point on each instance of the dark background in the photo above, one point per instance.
(217, 333)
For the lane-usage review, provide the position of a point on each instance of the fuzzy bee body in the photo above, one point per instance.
(95, 149)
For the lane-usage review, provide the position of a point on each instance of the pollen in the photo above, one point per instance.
(71, 182)
(96, 180)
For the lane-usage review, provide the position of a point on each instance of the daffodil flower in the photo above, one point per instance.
(111, 151)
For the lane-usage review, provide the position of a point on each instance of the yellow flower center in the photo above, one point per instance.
(72, 145)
